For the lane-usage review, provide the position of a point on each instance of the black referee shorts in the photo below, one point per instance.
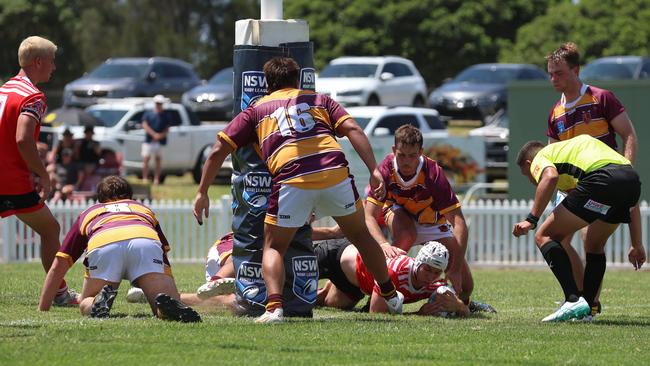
(19, 203)
(607, 194)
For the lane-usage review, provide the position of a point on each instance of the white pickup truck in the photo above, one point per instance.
(188, 142)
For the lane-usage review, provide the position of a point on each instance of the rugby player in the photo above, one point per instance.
(22, 106)
(295, 131)
(603, 189)
(122, 240)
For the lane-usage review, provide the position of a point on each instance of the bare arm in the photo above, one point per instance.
(359, 141)
(26, 126)
(325, 233)
(457, 221)
(372, 211)
(53, 279)
(636, 254)
(543, 195)
(623, 127)
(219, 152)
(448, 302)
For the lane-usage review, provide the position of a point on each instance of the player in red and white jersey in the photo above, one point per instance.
(587, 110)
(22, 106)
(416, 278)
(420, 206)
(295, 132)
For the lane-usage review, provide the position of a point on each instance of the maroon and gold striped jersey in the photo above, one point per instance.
(295, 132)
(427, 196)
(106, 223)
(591, 114)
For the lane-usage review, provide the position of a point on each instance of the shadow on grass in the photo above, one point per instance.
(643, 322)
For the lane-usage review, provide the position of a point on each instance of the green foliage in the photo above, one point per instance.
(598, 27)
(514, 336)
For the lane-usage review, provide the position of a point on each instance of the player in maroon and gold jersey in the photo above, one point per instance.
(587, 110)
(22, 106)
(295, 131)
(122, 240)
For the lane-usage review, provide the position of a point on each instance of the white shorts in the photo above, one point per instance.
(151, 148)
(127, 259)
(292, 206)
(212, 263)
(425, 232)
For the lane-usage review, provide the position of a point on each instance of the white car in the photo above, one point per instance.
(384, 121)
(385, 80)
(496, 133)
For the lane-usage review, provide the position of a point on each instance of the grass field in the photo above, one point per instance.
(515, 336)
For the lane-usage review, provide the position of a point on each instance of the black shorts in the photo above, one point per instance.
(606, 194)
(19, 203)
(328, 254)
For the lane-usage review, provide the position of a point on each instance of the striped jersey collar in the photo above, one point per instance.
(415, 176)
(583, 90)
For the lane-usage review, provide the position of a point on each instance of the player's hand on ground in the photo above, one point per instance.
(636, 256)
(377, 184)
(201, 207)
(391, 251)
(521, 228)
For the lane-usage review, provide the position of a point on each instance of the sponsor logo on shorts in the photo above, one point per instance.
(284, 217)
(157, 261)
(305, 277)
(92, 268)
(597, 207)
(253, 87)
(249, 282)
(349, 205)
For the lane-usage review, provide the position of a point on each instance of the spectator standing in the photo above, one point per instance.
(156, 127)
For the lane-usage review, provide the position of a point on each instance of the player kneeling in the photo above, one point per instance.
(416, 279)
(122, 240)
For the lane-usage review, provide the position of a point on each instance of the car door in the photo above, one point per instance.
(397, 90)
(177, 153)
(392, 122)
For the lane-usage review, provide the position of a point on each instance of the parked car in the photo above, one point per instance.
(384, 121)
(496, 133)
(480, 90)
(132, 77)
(617, 68)
(188, 143)
(213, 100)
(386, 80)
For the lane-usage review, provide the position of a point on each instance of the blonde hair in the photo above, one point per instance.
(32, 47)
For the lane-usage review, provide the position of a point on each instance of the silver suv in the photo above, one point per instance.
(383, 80)
(132, 77)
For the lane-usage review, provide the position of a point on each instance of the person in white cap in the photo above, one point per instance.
(156, 125)
(416, 278)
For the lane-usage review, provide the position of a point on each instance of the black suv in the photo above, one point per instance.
(132, 77)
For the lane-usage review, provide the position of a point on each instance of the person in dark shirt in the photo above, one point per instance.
(156, 127)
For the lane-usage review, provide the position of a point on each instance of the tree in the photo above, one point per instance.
(598, 27)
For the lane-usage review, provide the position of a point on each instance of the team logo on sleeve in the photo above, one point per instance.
(305, 278)
(308, 79)
(253, 87)
(250, 283)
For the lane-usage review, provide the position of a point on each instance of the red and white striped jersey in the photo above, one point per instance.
(400, 270)
(17, 96)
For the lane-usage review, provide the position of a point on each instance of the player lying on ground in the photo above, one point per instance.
(122, 240)
(417, 279)
(603, 189)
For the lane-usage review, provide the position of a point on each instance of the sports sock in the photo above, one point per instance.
(387, 289)
(274, 301)
(63, 288)
(558, 261)
(594, 273)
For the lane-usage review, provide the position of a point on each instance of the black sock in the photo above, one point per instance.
(594, 273)
(387, 289)
(558, 261)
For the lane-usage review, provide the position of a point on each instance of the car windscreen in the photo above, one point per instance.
(224, 76)
(610, 70)
(112, 71)
(362, 121)
(349, 71)
(109, 117)
(491, 75)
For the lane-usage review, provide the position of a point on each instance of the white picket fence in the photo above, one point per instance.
(490, 226)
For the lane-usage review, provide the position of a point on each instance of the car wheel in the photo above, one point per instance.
(419, 101)
(373, 100)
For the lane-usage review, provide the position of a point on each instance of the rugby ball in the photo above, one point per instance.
(439, 291)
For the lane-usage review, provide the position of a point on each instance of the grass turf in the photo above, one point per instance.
(621, 335)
